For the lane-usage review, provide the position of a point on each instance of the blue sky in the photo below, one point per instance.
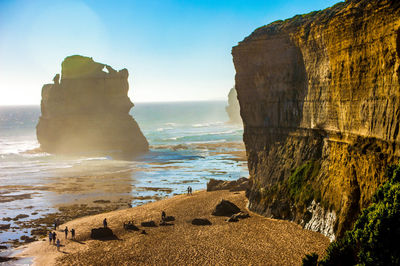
(174, 50)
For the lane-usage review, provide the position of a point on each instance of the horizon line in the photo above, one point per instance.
(139, 102)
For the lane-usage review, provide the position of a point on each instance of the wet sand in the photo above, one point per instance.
(255, 240)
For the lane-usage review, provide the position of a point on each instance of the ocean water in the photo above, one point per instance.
(190, 143)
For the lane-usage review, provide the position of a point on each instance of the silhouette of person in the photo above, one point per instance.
(54, 237)
(163, 216)
(73, 233)
(66, 232)
(58, 244)
(105, 222)
(50, 237)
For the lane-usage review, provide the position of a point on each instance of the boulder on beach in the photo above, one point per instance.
(201, 221)
(131, 227)
(86, 111)
(236, 185)
(149, 224)
(225, 208)
(164, 223)
(169, 218)
(102, 233)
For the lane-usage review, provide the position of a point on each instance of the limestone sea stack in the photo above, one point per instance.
(320, 101)
(233, 108)
(87, 111)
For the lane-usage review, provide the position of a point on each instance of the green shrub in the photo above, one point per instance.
(375, 238)
(310, 259)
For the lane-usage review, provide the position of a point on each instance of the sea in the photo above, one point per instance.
(190, 143)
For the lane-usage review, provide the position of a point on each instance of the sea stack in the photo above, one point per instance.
(87, 111)
(233, 108)
(319, 97)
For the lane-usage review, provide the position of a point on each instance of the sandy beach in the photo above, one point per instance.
(255, 240)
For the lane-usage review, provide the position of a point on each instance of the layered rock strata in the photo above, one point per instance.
(87, 111)
(319, 99)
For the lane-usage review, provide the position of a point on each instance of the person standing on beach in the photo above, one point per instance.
(73, 233)
(105, 222)
(55, 224)
(58, 244)
(54, 237)
(50, 237)
(163, 216)
(66, 232)
(188, 190)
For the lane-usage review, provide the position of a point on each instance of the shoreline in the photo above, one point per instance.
(108, 185)
(255, 240)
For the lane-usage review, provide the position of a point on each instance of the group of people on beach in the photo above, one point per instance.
(56, 241)
(53, 236)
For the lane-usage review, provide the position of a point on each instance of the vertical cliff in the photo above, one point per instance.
(87, 111)
(319, 98)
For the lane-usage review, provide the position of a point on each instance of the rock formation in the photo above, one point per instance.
(233, 108)
(87, 111)
(319, 98)
(241, 184)
(225, 208)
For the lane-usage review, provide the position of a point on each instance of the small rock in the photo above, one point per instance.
(27, 239)
(143, 232)
(149, 224)
(131, 227)
(225, 208)
(4, 226)
(169, 218)
(163, 223)
(3, 247)
(241, 215)
(201, 221)
(232, 219)
(39, 232)
(20, 216)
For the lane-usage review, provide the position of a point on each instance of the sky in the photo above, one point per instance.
(174, 50)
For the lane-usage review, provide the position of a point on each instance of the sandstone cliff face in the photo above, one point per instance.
(233, 108)
(88, 111)
(319, 99)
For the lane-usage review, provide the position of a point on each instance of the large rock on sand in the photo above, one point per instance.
(236, 185)
(87, 111)
(225, 208)
(102, 233)
(149, 224)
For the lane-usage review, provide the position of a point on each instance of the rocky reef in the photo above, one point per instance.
(87, 111)
(233, 108)
(319, 98)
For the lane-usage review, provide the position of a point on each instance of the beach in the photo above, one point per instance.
(254, 240)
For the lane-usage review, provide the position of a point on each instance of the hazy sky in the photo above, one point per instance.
(175, 50)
